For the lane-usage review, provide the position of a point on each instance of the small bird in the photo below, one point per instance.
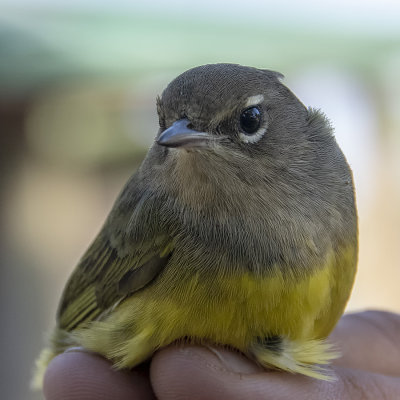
(238, 229)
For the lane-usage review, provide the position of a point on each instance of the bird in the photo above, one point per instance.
(238, 229)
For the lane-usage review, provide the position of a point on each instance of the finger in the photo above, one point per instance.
(197, 373)
(369, 341)
(80, 375)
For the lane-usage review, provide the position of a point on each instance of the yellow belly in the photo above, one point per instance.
(234, 310)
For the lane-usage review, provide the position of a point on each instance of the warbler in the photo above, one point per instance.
(238, 229)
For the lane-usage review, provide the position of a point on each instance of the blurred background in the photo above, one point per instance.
(78, 81)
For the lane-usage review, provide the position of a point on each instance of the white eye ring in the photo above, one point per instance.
(255, 137)
(254, 101)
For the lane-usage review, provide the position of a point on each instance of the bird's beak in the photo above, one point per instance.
(179, 135)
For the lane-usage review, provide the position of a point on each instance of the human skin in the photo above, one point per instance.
(368, 369)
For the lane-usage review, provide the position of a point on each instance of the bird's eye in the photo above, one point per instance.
(250, 120)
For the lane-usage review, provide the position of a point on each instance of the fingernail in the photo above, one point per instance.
(77, 349)
(229, 360)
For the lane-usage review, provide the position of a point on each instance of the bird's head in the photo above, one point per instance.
(228, 108)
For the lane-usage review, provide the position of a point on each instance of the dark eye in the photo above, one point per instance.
(250, 120)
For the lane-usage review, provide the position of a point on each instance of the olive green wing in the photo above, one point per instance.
(106, 275)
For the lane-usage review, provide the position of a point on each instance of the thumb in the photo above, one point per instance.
(195, 372)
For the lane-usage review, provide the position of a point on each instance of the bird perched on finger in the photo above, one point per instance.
(239, 229)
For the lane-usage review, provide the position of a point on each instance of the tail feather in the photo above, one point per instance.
(41, 363)
(60, 340)
(302, 357)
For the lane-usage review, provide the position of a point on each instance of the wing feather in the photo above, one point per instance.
(115, 265)
(102, 278)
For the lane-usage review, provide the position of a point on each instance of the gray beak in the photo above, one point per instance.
(179, 135)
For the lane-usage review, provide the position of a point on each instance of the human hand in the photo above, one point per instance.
(369, 370)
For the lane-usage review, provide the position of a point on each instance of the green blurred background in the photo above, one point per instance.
(78, 81)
